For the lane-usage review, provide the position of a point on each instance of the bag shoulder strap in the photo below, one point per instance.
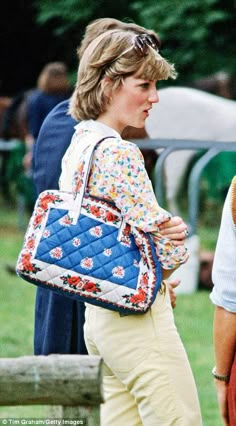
(78, 196)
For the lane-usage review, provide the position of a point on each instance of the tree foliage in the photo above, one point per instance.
(68, 14)
(197, 35)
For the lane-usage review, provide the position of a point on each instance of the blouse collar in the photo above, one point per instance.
(97, 126)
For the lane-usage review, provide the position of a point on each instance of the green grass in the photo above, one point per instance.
(193, 315)
(17, 307)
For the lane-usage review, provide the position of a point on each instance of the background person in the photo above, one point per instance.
(147, 377)
(52, 87)
(224, 298)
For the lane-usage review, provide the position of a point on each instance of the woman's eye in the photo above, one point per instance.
(144, 85)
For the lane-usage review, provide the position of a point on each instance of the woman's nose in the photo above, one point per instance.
(154, 97)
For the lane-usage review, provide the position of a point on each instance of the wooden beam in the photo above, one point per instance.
(66, 380)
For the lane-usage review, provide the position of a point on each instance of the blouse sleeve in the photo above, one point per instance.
(127, 183)
(224, 266)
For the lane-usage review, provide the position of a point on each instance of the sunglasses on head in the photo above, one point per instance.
(142, 43)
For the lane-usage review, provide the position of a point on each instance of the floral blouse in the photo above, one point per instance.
(118, 174)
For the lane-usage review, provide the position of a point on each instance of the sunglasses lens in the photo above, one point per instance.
(152, 42)
(143, 42)
(141, 46)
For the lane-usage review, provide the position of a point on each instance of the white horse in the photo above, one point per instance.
(185, 113)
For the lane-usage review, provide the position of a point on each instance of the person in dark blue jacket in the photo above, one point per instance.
(59, 320)
(52, 143)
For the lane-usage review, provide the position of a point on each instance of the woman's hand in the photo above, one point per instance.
(221, 389)
(172, 284)
(175, 229)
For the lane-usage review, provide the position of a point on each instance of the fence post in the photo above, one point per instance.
(71, 384)
(89, 415)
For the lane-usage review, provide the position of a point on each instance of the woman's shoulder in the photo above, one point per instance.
(120, 150)
(119, 144)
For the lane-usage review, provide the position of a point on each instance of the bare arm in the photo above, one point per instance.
(224, 332)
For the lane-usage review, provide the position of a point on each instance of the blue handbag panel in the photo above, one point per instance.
(90, 248)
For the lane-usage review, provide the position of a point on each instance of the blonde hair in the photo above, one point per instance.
(101, 25)
(53, 78)
(111, 55)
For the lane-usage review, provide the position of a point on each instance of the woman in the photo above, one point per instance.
(59, 320)
(147, 377)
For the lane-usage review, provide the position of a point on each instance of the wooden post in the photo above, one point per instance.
(89, 416)
(72, 382)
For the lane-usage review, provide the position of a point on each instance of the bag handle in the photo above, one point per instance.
(79, 195)
(74, 213)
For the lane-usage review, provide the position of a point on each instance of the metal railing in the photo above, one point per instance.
(168, 146)
(8, 145)
(212, 149)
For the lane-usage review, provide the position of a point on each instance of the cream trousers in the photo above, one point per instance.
(147, 377)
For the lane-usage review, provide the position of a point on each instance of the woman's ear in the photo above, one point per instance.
(106, 85)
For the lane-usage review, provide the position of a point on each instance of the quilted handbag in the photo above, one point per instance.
(80, 246)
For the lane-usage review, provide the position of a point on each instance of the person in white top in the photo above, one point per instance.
(223, 296)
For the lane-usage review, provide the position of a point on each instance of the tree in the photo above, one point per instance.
(70, 17)
(197, 35)
(71, 13)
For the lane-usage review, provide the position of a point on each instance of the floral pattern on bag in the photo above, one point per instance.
(96, 231)
(43, 205)
(76, 242)
(30, 242)
(100, 212)
(46, 233)
(47, 199)
(56, 253)
(66, 220)
(26, 265)
(72, 281)
(137, 299)
(140, 298)
(118, 272)
(81, 283)
(87, 263)
(38, 218)
(107, 252)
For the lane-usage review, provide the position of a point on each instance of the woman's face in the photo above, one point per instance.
(130, 104)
